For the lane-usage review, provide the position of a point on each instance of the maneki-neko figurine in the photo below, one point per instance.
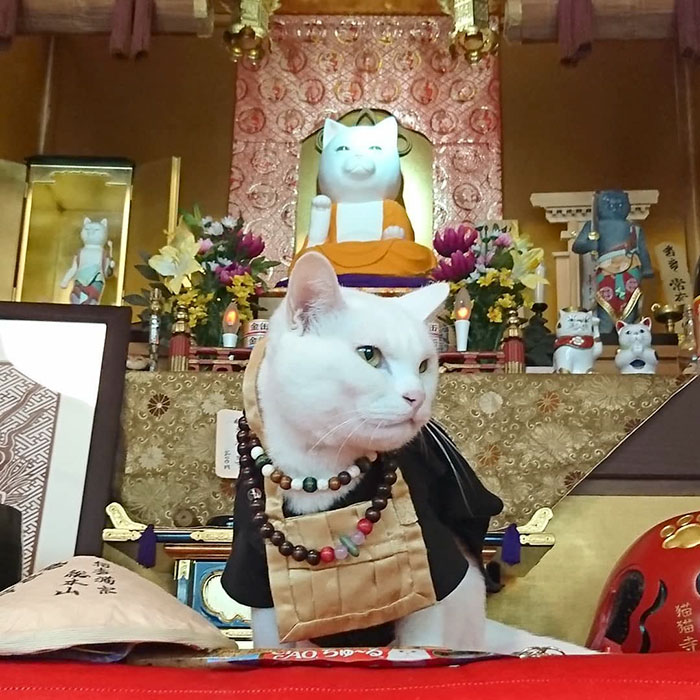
(92, 265)
(621, 258)
(357, 221)
(578, 344)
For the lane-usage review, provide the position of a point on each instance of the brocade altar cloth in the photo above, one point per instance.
(530, 438)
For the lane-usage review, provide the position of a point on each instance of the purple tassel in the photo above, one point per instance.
(146, 555)
(510, 548)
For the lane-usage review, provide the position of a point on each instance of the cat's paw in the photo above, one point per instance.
(321, 203)
(393, 232)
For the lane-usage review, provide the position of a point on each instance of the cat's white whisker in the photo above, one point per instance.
(342, 445)
(327, 434)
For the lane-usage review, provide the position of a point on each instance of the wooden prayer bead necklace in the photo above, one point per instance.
(252, 457)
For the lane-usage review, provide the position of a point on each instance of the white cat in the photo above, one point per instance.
(347, 374)
(578, 343)
(92, 265)
(635, 354)
(359, 173)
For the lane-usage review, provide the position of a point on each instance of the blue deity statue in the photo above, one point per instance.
(621, 258)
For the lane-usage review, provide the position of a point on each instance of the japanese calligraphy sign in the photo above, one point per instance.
(673, 266)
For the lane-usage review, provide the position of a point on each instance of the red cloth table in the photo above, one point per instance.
(619, 677)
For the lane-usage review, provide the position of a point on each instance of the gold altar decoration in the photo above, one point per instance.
(246, 38)
(476, 26)
(530, 438)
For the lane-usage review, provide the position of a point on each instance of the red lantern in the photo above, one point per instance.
(651, 601)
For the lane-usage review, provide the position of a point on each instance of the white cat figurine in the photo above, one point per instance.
(635, 354)
(92, 265)
(347, 375)
(577, 345)
(360, 174)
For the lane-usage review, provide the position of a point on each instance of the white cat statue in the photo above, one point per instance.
(359, 171)
(577, 345)
(338, 403)
(92, 265)
(635, 354)
(356, 220)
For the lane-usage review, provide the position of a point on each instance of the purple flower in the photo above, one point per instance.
(453, 241)
(463, 264)
(250, 245)
(458, 267)
(470, 234)
(226, 274)
(503, 241)
(205, 245)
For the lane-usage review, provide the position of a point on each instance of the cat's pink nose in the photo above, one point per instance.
(415, 398)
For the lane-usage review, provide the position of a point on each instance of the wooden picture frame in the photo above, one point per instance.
(62, 373)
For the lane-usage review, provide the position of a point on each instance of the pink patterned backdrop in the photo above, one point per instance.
(326, 66)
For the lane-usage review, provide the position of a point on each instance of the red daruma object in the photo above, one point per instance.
(651, 601)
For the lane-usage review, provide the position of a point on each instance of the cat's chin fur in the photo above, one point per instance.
(324, 406)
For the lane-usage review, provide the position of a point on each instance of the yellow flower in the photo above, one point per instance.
(455, 287)
(495, 315)
(177, 260)
(524, 266)
(507, 301)
(505, 278)
(489, 277)
(243, 287)
(196, 304)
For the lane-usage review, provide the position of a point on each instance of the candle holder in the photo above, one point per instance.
(155, 307)
(539, 340)
(669, 314)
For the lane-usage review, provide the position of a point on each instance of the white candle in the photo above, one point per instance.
(229, 340)
(539, 289)
(463, 310)
(462, 333)
(230, 325)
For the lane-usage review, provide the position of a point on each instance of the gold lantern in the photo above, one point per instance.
(247, 37)
(476, 30)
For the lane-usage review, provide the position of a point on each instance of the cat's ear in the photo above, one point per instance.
(646, 321)
(313, 291)
(620, 325)
(331, 129)
(424, 302)
(388, 130)
(86, 221)
(104, 223)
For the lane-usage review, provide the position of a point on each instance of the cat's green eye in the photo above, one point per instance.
(370, 354)
(375, 148)
(342, 148)
(423, 366)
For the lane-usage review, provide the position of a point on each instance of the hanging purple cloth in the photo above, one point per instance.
(122, 21)
(9, 9)
(688, 27)
(143, 26)
(575, 20)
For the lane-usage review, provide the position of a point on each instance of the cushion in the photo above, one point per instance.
(89, 601)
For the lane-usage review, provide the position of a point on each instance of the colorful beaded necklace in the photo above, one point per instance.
(255, 465)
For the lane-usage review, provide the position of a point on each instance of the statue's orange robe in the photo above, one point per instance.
(397, 257)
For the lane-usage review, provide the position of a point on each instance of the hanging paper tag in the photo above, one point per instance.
(227, 466)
